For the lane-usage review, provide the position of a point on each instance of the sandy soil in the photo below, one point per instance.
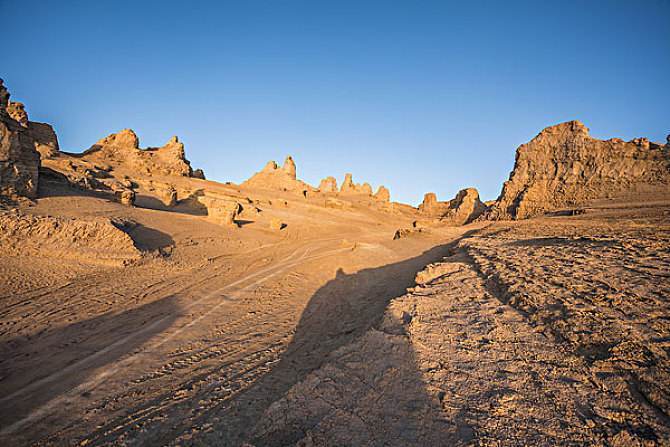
(547, 331)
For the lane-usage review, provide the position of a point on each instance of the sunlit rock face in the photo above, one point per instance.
(564, 166)
(19, 160)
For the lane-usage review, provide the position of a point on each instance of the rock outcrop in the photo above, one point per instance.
(44, 136)
(431, 206)
(46, 141)
(19, 160)
(383, 194)
(282, 178)
(564, 166)
(349, 187)
(223, 210)
(123, 149)
(328, 184)
(277, 224)
(17, 111)
(464, 208)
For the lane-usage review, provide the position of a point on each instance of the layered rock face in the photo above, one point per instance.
(19, 161)
(563, 167)
(278, 178)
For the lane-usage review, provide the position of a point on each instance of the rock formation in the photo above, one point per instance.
(19, 160)
(328, 184)
(563, 166)
(169, 196)
(348, 184)
(222, 210)
(462, 209)
(275, 178)
(198, 173)
(17, 111)
(407, 232)
(289, 167)
(431, 206)
(383, 194)
(123, 149)
(44, 136)
(277, 224)
(349, 187)
(46, 141)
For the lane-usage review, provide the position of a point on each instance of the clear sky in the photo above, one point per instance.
(416, 95)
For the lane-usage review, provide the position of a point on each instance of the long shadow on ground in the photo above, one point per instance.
(37, 368)
(339, 315)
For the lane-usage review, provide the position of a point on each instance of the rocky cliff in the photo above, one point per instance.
(19, 160)
(564, 166)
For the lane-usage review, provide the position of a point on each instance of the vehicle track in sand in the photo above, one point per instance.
(197, 311)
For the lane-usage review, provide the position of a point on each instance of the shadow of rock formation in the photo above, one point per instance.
(342, 359)
(39, 367)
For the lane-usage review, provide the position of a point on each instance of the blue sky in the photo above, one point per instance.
(418, 96)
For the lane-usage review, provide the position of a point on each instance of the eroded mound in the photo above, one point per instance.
(98, 241)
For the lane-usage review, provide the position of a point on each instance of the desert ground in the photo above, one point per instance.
(141, 304)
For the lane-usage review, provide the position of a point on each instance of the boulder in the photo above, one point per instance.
(125, 196)
(563, 166)
(277, 224)
(406, 232)
(222, 210)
